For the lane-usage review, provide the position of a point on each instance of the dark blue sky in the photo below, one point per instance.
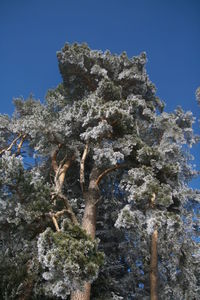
(31, 31)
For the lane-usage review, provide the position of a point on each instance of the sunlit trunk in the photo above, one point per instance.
(84, 295)
(89, 224)
(154, 266)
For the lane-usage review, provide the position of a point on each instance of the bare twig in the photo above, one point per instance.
(82, 167)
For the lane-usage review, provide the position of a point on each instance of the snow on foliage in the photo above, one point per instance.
(69, 258)
(135, 151)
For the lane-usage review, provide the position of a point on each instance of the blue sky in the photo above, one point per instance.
(31, 31)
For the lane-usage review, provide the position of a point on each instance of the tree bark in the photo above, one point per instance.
(154, 267)
(89, 224)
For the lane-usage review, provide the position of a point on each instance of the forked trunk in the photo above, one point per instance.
(154, 266)
(89, 224)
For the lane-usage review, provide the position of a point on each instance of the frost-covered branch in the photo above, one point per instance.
(109, 102)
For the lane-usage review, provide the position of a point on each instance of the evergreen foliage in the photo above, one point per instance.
(100, 139)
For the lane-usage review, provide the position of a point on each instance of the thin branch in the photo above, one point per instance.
(14, 142)
(82, 167)
(69, 209)
(20, 144)
(62, 162)
(60, 213)
(137, 128)
(152, 200)
(104, 173)
(55, 222)
(56, 215)
(11, 145)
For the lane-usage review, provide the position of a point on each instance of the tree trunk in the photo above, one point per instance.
(89, 224)
(154, 266)
(82, 295)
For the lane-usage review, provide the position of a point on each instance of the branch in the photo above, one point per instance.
(82, 167)
(68, 209)
(137, 128)
(60, 176)
(11, 145)
(55, 222)
(20, 144)
(152, 200)
(53, 158)
(60, 172)
(60, 213)
(104, 173)
(56, 215)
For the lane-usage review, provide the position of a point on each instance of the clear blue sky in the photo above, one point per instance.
(31, 31)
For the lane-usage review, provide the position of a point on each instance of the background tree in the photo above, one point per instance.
(100, 140)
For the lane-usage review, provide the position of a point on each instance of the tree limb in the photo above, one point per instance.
(54, 217)
(152, 200)
(105, 172)
(60, 172)
(20, 144)
(53, 158)
(82, 167)
(11, 145)
(55, 222)
(60, 213)
(68, 209)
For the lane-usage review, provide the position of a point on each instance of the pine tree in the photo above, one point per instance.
(94, 187)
